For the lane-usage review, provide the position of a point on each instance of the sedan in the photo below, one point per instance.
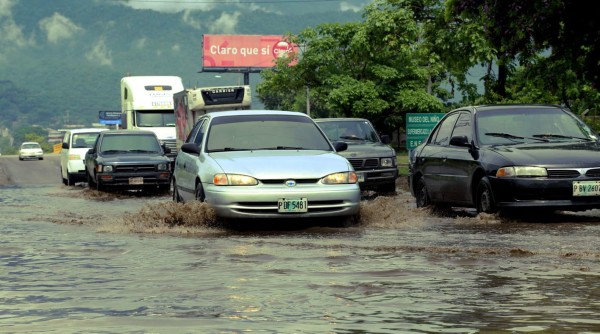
(506, 157)
(31, 150)
(265, 164)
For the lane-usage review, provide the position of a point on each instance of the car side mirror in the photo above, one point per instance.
(340, 146)
(166, 149)
(190, 148)
(65, 145)
(386, 139)
(461, 141)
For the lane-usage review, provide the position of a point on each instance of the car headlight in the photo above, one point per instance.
(340, 178)
(162, 167)
(223, 179)
(521, 171)
(105, 168)
(387, 162)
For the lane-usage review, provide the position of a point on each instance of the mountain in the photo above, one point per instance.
(61, 61)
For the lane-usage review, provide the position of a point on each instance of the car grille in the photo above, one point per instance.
(282, 181)
(574, 173)
(364, 163)
(135, 168)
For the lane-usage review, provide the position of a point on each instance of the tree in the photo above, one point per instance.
(370, 69)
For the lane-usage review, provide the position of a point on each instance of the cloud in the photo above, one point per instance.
(190, 20)
(176, 48)
(348, 7)
(100, 54)
(11, 34)
(6, 8)
(140, 43)
(58, 27)
(166, 6)
(225, 24)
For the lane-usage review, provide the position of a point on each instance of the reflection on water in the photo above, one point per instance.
(79, 261)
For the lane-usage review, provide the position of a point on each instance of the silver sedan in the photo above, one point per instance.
(265, 164)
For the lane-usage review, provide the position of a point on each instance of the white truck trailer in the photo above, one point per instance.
(193, 102)
(147, 104)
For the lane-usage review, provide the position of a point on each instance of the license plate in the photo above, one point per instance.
(361, 177)
(586, 188)
(136, 180)
(286, 205)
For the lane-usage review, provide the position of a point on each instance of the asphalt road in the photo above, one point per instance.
(15, 171)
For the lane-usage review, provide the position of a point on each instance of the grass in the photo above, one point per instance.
(402, 159)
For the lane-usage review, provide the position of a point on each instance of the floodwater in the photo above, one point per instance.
(75, 260)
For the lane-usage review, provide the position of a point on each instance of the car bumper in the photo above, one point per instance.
(376, 177)
(251, 202)
(554, 194)
(130, 180)
(31, 156)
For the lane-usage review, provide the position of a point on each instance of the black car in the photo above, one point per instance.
(373, 159)
(128, 159)
(503, 157)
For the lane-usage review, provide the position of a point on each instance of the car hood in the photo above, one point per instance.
(365, 149)
(281, 164)
(551, 154)
(132, 158)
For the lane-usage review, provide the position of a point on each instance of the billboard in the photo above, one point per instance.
(249, 51)
(109, 117)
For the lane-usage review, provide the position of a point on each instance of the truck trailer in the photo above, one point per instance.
(147, 104)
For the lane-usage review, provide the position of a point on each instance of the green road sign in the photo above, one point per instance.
(418, 127)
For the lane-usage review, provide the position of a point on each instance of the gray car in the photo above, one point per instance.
(370, 154)
(265, 164)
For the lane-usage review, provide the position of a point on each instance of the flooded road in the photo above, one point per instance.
(74, 260)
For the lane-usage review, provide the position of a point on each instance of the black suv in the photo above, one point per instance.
(128, 159)
(373, 159)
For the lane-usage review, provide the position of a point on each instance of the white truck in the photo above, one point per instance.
(147, 104)
(194, 102)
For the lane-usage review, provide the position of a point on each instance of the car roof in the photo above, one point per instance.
(485, 107)
(255, 112)
(30, 142)
(81, 130)
(337, 119)
(127, 132)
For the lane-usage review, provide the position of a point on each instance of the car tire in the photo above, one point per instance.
(199, 193)
(176, 196)
(70, 179)
(90, 181)
(388, 187)
(421, 194)
(485, 197)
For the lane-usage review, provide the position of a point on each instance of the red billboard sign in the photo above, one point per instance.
(257, 51)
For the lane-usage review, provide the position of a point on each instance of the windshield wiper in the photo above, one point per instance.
(142, 151)
(279, 148)
(112, 151)
(551, 135)
(509, 136)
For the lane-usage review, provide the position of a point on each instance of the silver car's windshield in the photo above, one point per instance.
(265, 132)
(505, 126)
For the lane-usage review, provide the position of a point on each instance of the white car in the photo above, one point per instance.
(75, 144)
(31, 150)
(265, 164)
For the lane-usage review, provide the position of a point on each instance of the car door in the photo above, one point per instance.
(186, 165)
(458, 163)
(433, 158)
(64, 154)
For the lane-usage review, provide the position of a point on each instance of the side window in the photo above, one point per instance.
(463, 126)
(197, 132)
(443, 132)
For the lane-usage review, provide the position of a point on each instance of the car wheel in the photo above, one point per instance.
(176, 196)
(485, 197)
(90, 181)
(199, 194)
(388, 188)
(64, 181)
(421, 194)
(70, 179)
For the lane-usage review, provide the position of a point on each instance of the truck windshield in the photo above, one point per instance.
(155, 118)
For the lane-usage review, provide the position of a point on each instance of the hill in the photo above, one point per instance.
(62, 61)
